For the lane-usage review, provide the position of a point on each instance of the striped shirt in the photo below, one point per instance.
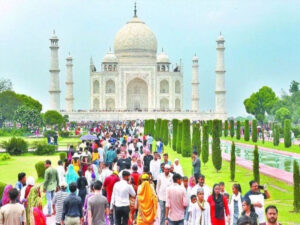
(58, 201)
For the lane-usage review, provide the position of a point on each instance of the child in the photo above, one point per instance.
(193, 201)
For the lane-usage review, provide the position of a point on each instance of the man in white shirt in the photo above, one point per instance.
(61, 172)
(164, 181)
(201, 183)
(105, 172)
(120, 199)
(155, 167)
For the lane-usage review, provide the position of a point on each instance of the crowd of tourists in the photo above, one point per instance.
(125, 177)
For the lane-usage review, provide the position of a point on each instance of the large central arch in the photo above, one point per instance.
(137, 95)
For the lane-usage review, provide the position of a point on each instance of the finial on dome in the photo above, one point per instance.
(162, 49)
(69, 54)
(109, 49)
(53, 32)
(135, 10)
(220, 33)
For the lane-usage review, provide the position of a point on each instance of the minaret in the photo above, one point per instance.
(54, 90)
(195, 85)
(69, 84)
(220, 104)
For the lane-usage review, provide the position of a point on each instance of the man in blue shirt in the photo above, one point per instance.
(21, 181)
(149, 142)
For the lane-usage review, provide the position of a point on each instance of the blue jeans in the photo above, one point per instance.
(49, 197)
(162, 205)
(179, 222)
(186, 214)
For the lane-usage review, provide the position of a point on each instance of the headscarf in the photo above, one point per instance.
(71, 175)
(219, 204)
(190, 182)
(5, 197)
(147, 203)
(33, 201)
(30, 183)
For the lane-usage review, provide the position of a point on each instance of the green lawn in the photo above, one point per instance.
(267, 144)
(281, 193)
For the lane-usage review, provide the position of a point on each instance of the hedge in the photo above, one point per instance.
(175, 126)
(44, 148)
(216, 148)
(62, 156)
(40, 169)
(157, 129)
(232, 128)
(186, 145)
(287, 133)
(232, 162)
(226, 128)
(15, 146)
(179, 137)
(254, 130)
(256, 165)
(165, 132)
(246, 131)
(196, 139)
(238, 130)
(205, 144)
(152, 127)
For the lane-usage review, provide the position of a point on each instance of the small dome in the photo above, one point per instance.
(220, 38)
(110, 57)
(163, 58)
(195, 58)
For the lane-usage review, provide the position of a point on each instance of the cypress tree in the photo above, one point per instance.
(175, 125)
(157, 129)
(287, 133)
(216, 149)
(232, 128)
(226, 128)
(263, 135)
(165, 132)
(220, 128)
(151, 127)
(179, 137)
(232, 162)
(146, 127)
(238, 130)
(205, 144)
(186, 145)
(256, 164)
(196, 139)
(209, 122)
(246, 131)
(254, 131)
(276, 135)
(296, 178)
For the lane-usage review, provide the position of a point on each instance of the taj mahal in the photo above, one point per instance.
(134, 81)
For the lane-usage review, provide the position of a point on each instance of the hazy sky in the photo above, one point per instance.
(262, 42)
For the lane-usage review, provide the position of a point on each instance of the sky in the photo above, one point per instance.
(262, 43)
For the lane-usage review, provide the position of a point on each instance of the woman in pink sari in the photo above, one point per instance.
(5, 197)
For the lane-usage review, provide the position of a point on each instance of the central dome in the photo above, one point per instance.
(135, 39)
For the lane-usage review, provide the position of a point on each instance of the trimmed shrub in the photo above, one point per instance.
(15, 146)
(40, 169)
(220, 128)
(216, 148)
(254, 131)
(196, 139)
(276, 135)
(165, 132)
(186, 145)
(263, 135)
(62, 156)
(246, 131)
(4, 156)
(226, 128)
(14, 132)
(256, 165)
(232, 162)
(42, 148)
(296, 178)
(209, 122)
(287, 133)
(2, 186)
(49, 132)
(179, 137)
(205, 144)
(157, 129)
(238, 130)
(232, 128)
(175, 126)
(151, 127)
(64, 134)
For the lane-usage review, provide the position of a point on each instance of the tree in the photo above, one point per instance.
(254, 131)
(165, 132)
(232, 128)
(238, 130)
(232, 162)
(27, 117)
(175, 126)
(276, 135)
(205, 144)
(5, 85)
(52, 118)
(179, 137)
(146, 132)
(226, 128)
(294, 87)
(152, 127)
(287, 133)
(196, 139)
(261, 103)
(263, 135)
(216, 149)
(296, 178)
(186, 145)
(246, 131)
(220, 128)
(157, 129)
(256, 164)
(282, 114)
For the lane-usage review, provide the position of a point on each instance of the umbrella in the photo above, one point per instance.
(88, 137)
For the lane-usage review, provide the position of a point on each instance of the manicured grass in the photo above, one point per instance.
(281, 193)
(25, 163)
(267, 144)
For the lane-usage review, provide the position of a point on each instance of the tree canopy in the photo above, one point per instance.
(52, 117)
(5, 85)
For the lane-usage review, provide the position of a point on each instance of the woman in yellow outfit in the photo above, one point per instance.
(76, 162)
(146, 203)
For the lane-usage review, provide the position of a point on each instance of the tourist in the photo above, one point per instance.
(140, 166)
(159, 146)
(135, 175)
(187, 193)
(164, 181)
(85, 206)
(166, 159)
(5, 196)
(149, 142)
(257, 199)
(95, 157)
(155, 167)
(120, 199)
(25, 190)
(76, 162)
(21, 181)
(34, 209)
(272, 215)
(200, 211)
(196, 165)
(106, 171)
(146, 203)
(88, 175)
(123, 161)
(12, 213)
(58, 202)
(61, 172)
(222, 189)
(177, 167)
(101, 154)
(71, 176)
(249, 211)
(72, 208)
(51, 183)
(176, 202)
(244, 220)
(218, 207)
(201, 184)
(81, 186)
(97, 206)
(235, 204)
(147, 158)
(132, 201)
(84, 162)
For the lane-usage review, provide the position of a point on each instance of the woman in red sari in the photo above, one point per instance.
(218, 207)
